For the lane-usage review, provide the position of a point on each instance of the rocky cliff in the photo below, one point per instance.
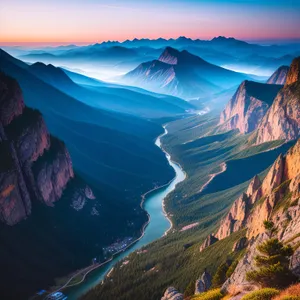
(52, 172)
(172, 294)
(272, 198)
(279, 76)
(276, 198)
(33, 165)
(248, 106)
(282, 121)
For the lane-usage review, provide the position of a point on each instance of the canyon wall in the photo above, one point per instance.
(34, 166)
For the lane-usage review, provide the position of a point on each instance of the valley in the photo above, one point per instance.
(152, 179)
(188, 206)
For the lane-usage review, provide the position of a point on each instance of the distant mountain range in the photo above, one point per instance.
(121, 57)
(105, 96)
(182, 74)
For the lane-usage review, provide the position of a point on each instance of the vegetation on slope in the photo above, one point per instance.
(175, 260)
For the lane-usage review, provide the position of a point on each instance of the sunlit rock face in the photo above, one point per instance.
(279, 203)
(52, 172)
(262, 201)
(210, 240)
(33, 165)
(282, 121)
(279, 76)
(248, 106)
(294, 72)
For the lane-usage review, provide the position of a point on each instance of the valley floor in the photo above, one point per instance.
(175, 260)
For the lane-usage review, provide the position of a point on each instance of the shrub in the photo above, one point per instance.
(220, 275)
(210, 295)
(263, 294)
(232, 268)
(291, 293)
(273, 262)
(289, 298)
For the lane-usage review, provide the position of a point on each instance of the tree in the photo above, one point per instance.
(273, 262)
(220, 275)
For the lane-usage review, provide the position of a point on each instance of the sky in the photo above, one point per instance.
(52, 22)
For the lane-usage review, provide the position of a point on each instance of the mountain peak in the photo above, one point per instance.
(173, 56)
(170, 56)
(294, 72)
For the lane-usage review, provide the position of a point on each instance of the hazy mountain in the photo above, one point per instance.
(62, 113)
(112, 97)
(183, 74)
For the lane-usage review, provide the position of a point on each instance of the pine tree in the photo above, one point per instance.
(272, 263)
(220, 275)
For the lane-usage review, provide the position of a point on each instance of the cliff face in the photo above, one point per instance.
(279, 76)
(33, 165)
(274, 197)
(11, 100)
(52, 172)
(282, 120)
(14, 197)
(248, 106)
(29, 134)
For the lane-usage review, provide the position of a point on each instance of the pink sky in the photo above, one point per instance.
(81, 22)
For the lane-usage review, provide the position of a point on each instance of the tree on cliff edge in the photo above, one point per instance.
(273, 262)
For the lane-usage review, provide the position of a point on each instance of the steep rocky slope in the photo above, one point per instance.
(34, 165)
(276, 198)
(279, 76)
(282, 121)
(248, 106)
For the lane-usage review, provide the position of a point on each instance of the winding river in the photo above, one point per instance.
(158, 225)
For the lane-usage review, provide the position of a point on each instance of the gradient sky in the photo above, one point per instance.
(87, 21)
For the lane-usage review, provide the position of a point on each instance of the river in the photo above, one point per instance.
(158, 225)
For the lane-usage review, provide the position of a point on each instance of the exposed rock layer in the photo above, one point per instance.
(282, 121)
(248, 106)
(33, 165)
(279, 76)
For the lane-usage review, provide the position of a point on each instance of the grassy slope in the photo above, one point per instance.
(173, 265)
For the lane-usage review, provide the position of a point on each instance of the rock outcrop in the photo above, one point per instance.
(280, 203)
(294, 72)
(210, 240)
(203, 284)
(11, 100)
(240, 244)
(282, 121)
(33, 165)
(276, 198)
(172, 294)
(279, 76)
(52, 172)
(248, 106)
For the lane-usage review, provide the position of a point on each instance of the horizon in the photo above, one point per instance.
(83, 22)
(76, 43)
